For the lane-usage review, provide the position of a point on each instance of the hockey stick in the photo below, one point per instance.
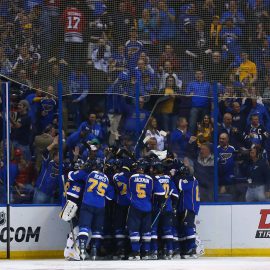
(161, 208)
(163, 98)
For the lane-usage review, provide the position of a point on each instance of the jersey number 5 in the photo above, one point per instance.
(101, 187)
(140, 189)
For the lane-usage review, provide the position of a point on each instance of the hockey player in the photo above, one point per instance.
(110, 168)
(70, 214)
(141, 188)
(92, 211)
(121, 181)
(188, 208)
(162, 215)
(74, 188)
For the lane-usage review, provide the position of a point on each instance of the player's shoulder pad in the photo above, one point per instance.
(71, 174)
(134, 175)
(148, 177)
(185, 181)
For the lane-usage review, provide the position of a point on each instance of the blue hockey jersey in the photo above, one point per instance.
(190, 196)
(97, 188)
(141, 188)
(48, 180)
(170, 190)
(121, 181)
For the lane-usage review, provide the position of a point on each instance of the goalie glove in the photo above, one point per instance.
(69, 211)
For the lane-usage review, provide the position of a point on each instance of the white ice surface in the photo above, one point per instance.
(200, 264)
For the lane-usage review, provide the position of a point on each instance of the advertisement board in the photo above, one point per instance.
(37, 232)
(225, 230)
(3, 222)
(251, 229)
(235, 230)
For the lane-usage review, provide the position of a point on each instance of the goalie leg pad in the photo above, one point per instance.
(69, 211)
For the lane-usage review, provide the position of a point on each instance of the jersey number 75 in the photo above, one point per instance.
(101, 187)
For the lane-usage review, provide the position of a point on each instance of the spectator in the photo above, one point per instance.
(169, 56)
(78, 88)
(204, 170)
(74, 24)
(234, 13)
(239, 115)
(133, 49)
(261, 111)
(144, 78)
(146, 59)
(150, 150)
(164, 72)
(93, 151)
(48, 181)
(5, 64)
(200, 91)
(94, 128)
(247, 69)
(217, 69)
(24, 61)
(122, 24)
(120, 58)
(230, 37)
(226, 162)
(166, 23)
(101, 56)
(204, 131)
(41, 142)
(25, 83)
(25, 179)
(235, 137)
(215, 29)
(147, 28)
(104, 121)
(255, 133)
(48, 109)
(129, 122)
(258, 176)
(168, 108)
(21, 129)
(79, 137)
(181, 139)
(152, 131)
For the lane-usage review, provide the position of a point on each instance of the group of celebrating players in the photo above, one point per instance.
(123, 208)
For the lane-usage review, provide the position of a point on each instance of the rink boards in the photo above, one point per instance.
(225, 230)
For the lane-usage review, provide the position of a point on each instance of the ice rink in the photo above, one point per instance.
(200, 264)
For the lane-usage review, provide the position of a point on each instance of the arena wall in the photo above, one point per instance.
(226, 230)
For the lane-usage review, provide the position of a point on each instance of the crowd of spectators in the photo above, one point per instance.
(173, 51)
